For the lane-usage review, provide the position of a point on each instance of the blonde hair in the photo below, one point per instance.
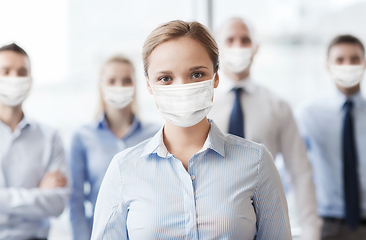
(177, 29)
(116, 59)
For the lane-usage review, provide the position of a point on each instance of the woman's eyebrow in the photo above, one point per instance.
(196, 68)
(163, 72)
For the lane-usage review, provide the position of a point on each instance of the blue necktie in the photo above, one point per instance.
(236, 124)
(351, 186)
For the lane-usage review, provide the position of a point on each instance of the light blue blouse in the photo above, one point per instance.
(92, 148)
(231, 190)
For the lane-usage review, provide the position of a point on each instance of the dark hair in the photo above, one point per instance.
(15, 48)
(347, 39)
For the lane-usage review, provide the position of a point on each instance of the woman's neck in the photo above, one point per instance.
(119, 120)
(183, 143)
(11, 116)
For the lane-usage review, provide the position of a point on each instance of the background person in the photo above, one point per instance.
(243, 108)
(94, 145)
(33, 170)
(335, 132)
(190, 180)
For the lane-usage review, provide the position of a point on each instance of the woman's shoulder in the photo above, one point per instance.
(235, 146)
(132, 154)
(84, 132)
(238, 144)
(241, 142)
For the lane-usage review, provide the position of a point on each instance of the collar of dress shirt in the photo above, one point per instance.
(101, 123)
(227, 84)
(357, 99)
(24, 122)
(20, 126)
(214, 141)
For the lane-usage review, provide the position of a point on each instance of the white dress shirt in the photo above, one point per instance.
(26, 155)
(269, 120)
(231, 190)
(321, 123)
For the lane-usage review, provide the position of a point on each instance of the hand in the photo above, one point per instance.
(53, 180)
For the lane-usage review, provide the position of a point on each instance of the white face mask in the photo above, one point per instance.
(13, 90)
(118, 97)
(236, 60)
(184, 105)
(347, 75)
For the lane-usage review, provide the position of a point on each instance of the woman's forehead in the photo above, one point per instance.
(179, 53)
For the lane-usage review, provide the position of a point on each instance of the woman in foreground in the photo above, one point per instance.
(190, 181)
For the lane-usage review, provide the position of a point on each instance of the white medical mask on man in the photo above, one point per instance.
(347, 75)
(13, 90)
(236, 59)
(118, 97)
(184, 105)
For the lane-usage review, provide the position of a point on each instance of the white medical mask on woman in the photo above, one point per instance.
(347, 75)
(118, 97)
(235, 59)
(184, 105)
(13, 90)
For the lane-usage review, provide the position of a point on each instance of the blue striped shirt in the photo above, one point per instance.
(92, 148)
(231, 190)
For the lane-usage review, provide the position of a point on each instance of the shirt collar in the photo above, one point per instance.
(101, 123)
(214, 141)
(227, 84)
(21, 125)
(357, 99)
(24, 122)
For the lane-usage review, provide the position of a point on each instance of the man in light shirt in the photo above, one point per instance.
(334, 128)
(33, 170)
(248, 110)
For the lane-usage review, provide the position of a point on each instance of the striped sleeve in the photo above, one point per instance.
(270, 201)
(110, 212)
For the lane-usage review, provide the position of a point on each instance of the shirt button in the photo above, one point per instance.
(193, 177)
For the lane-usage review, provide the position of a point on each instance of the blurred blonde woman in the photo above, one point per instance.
(190, 181)
(94, 145)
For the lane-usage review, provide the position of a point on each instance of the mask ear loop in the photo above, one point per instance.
(213, 86)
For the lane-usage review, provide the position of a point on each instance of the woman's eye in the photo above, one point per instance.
(164, 79)
(197, 75)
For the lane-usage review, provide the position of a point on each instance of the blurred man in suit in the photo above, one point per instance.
(335, 131)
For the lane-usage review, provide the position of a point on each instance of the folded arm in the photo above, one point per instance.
(51, 196)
